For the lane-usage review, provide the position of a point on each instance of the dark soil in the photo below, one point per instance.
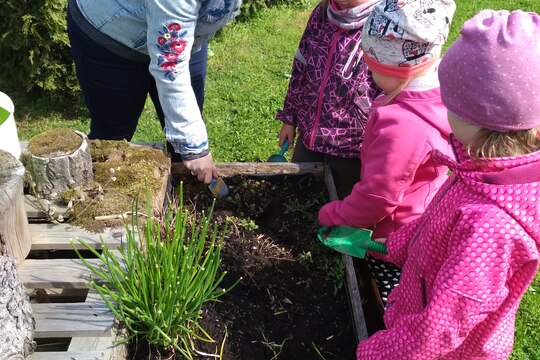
(291, 303)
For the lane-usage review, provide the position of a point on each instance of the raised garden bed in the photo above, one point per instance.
(291, 302)
(293, 299)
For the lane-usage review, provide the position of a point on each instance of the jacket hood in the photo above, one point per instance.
(513, 183)
(410, 99)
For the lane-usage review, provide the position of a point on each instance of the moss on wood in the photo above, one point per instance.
(54, 142)
(121, 172)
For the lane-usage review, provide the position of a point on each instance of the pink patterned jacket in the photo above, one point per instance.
(330, 90)
(466, 264)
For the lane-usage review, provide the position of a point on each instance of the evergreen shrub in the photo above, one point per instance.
(34, 47)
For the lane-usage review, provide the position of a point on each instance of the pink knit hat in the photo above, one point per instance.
(490, 76)
(403, 37)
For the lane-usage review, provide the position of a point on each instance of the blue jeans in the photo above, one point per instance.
(115, 88)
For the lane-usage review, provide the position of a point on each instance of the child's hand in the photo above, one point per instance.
(380, 240)
(287, 132)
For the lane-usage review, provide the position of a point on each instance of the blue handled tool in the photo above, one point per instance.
(279, 157)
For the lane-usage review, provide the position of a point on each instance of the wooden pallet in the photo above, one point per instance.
(74, 322)
(83, 329)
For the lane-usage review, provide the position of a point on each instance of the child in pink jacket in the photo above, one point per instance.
(402, 42)
(469, 259)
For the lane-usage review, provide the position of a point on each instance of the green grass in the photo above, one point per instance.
(247, 80)
(466, 9)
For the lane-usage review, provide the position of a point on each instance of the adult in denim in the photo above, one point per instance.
(125, 50)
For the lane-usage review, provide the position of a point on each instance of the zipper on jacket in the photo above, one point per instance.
(323, 84)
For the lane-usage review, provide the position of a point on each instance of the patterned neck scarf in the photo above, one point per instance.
(351, 18)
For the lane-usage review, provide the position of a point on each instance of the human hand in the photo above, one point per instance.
(380, 240)
(203, 168)
(287, 132)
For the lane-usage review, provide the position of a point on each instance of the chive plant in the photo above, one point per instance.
(157, 283)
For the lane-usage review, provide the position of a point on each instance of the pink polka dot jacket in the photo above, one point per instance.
(466, 264)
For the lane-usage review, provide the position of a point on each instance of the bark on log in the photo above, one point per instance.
(55, 174)
(13, 220)
(258, 168)
(16, 320)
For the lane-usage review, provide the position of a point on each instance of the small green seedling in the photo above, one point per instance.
(350, 240)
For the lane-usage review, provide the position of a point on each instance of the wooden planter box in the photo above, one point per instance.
(86, 327)
(355, 297)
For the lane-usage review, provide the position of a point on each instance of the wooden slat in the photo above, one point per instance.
(68, 355)
(107, 344)
(36, 209)
(95, 343)
(59, 237)
(355, 299)
(55, 273)
(90, 343)
(258, 168)
(55, 320)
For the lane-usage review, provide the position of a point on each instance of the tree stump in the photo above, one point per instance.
(16, 320)
(13, 220)
(60, 169)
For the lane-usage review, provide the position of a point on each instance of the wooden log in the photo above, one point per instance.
(13, 220)
(55, 173)
(16, 320)
(258, 168)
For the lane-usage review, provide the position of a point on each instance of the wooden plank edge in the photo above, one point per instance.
(55, 273)
(65, 320)
(48, 236)
(108, 344)
(353, 292)
(68, 355)
(258, 168)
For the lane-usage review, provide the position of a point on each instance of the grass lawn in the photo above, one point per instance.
(248, 74)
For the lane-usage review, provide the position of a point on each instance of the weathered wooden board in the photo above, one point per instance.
(353, 291)
(258, 168)
(55, 273)
(56, 320)
(70, 355)
(48, 236)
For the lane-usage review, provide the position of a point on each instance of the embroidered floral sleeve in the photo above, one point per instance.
(176, 28)
(171, 44)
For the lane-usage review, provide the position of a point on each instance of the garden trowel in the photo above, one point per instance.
(350, 240)
(279, 157)
(218, 188)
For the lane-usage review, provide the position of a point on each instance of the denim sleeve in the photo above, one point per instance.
(170, 37)
(173, 27)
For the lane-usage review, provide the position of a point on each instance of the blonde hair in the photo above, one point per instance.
(488, 143)
(391, 96)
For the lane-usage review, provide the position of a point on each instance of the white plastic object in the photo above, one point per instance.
(9, 140)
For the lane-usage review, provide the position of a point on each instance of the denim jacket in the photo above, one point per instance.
(168, 31)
